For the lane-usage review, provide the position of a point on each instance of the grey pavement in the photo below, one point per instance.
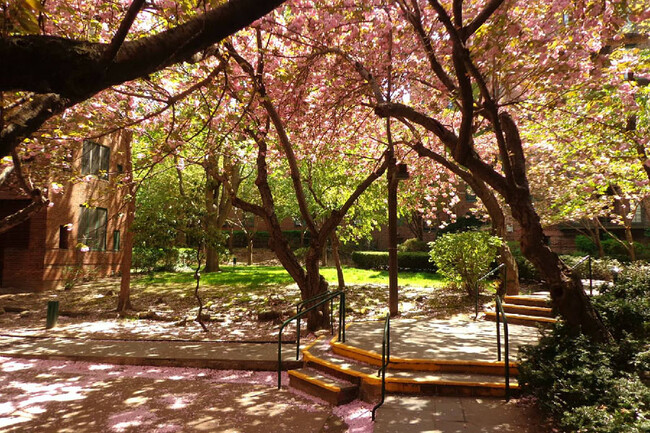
(431, 414)
(454, 339)
(239, 356)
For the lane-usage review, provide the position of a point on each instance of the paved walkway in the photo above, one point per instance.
(453, 339)
(219, 355)
(46, 398)
(417, 414)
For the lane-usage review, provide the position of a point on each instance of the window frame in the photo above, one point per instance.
(95, 159)
(92, 230)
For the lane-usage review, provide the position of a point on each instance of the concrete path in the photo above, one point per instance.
(418, 414)
(66, 397)
(440, 339)
(233, 356)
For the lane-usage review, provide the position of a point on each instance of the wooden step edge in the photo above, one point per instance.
(492, 314)
(417, 364)
(526, 300)
(527, 308)
(314, 381)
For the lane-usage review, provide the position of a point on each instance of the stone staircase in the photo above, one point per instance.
(339, 373)
(528, 310)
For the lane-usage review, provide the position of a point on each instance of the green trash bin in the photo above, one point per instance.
(52, 314)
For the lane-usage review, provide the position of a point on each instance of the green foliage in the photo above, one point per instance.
(527, 270)
(405, 260)
(301, 253)
(594, 387)
(413, 245)
(586, 245)
(261, 238)
(465, 257)
(146, 259)
(601, 269)
(463, 224)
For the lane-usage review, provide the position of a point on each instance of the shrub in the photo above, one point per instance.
(594, 387)
(416, 261)
(413, 245)
(465, 257)
(601, 269)
(586, 245)
(146, 259)
(527, 271)
(300, 253)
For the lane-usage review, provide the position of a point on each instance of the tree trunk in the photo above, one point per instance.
(629, 240)
(316, 284)
(124, 298)
(212, 260)
(337, 260)
(250, 252)
(567, 295)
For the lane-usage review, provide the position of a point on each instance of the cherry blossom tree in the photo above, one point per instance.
(58, 54)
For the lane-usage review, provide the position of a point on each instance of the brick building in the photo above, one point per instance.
(37, 254)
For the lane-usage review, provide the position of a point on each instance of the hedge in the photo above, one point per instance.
(261, 239)
(413, 261)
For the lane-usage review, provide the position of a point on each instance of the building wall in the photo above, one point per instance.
(44, 263)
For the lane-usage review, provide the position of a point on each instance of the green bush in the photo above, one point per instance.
(586, 245)
(413, 245)
(465, 257)
(594, 387)
(527, 271)
(146, 259)
(601, 269)
(261, 239)
(415, 261)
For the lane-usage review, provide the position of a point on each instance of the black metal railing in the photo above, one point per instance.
(385, 360)
(589, 271)
(502, 313)
(319, 300)
(492, 272)
(302, 304)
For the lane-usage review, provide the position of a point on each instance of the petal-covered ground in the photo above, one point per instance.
(58, 396)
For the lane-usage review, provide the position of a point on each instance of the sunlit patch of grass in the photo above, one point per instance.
(369, 276)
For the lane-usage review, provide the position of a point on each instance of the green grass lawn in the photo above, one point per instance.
(251, 278)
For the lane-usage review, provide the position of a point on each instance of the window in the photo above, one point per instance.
(116, 240)
(64, 237)
(470, 197)
(94, 159)
(92, 228)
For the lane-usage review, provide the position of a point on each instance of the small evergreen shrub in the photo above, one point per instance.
(601, 269)
(586, 245)
(594, 387)
(413, 245)
(415, 261)
(465, 257)
(527, 270)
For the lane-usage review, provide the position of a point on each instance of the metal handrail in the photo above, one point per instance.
(300, 305)
(507, 346)
(484, 277)
(385, 360)
(341, 295)
(591, 279)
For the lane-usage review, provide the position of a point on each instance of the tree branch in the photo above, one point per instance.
(122, 31)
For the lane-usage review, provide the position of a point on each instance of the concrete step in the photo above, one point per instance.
(530, 300)
(333, 390)
(521, 319)
(425, 365)
(528, 310)
(424, 381)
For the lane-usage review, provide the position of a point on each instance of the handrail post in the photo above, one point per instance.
(476, 306)
(507, 350)
(498, 331)
(318, 300)
(385, 360)
(591, 279)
